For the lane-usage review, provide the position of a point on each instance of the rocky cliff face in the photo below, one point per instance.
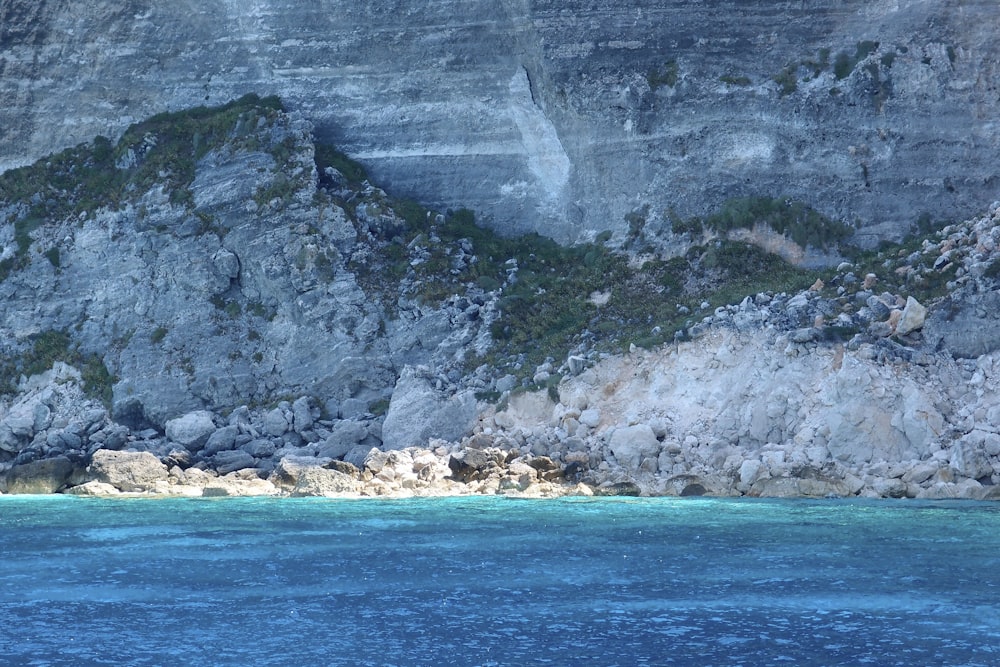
(561, 117)
(241, 311)
(198, 264)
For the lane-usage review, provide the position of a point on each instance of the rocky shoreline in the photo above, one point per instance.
(746, 403)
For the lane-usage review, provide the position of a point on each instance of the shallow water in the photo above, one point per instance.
(493, 581)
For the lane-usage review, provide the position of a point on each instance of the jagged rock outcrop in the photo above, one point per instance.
(242, 285)
(561, 117)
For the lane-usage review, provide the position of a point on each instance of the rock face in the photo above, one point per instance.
(128, 471)
(44, 476)
(418, 412)
(240, 286)
(561, 117)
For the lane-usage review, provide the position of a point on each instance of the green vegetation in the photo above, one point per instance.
(159, 333)
(666, 75)
(735, 80)
(800, 222)
(845, 63)
(52, 254)
(786, 80)
(47, 348)
(819, 64)
(328, 156)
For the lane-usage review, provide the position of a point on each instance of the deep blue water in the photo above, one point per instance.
(492, 581)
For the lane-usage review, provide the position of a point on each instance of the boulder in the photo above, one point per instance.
(286, 474)
(44, 476)
(15, 433)
(302, 419)
(344, 435)
(750, 471)
(316, 481)
(469, 464)
(518, 477)
(260, 448)
(127, 471)
(912, 318)
(795, 487)
(191, 430)
(235, 485)
(275, 423)
(590, 417)
(230, 461)
(546, 468)
(632, 444)
(221, 440)
(920, 472)
(618, 489)
(418, 412)
(93, 488)
(969, 460)
(358, 455)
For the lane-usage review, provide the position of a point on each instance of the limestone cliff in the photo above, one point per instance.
(560, 117)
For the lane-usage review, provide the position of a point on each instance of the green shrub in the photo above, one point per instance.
(797, 220)
(329, 156)
(735, 80)
(845, 62)
(666, 75)
(159, 333)
(786, 80)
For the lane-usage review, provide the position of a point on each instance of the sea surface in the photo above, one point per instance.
(494, 581)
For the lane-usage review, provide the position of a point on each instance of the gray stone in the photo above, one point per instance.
(222, 439)
(227, 462)
(286, 474)
(127, 471)
(469, 464)
(966, 324)
(43, 476)
(969, 460)
(804, 335)
(912, 318)
(191, 430)
(275, 423)
(41, 416)
(226, 263)
(632, 444)
(63, 440)
(15, 433)
(345, 434)
(590, 417)
(260, 448)
(302, 419)
(317, 481)
(418, 412)
(358, 454)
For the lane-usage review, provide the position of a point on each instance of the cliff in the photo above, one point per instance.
(565, 117)
(217, 304)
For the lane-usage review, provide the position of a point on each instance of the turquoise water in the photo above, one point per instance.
(492, 581)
